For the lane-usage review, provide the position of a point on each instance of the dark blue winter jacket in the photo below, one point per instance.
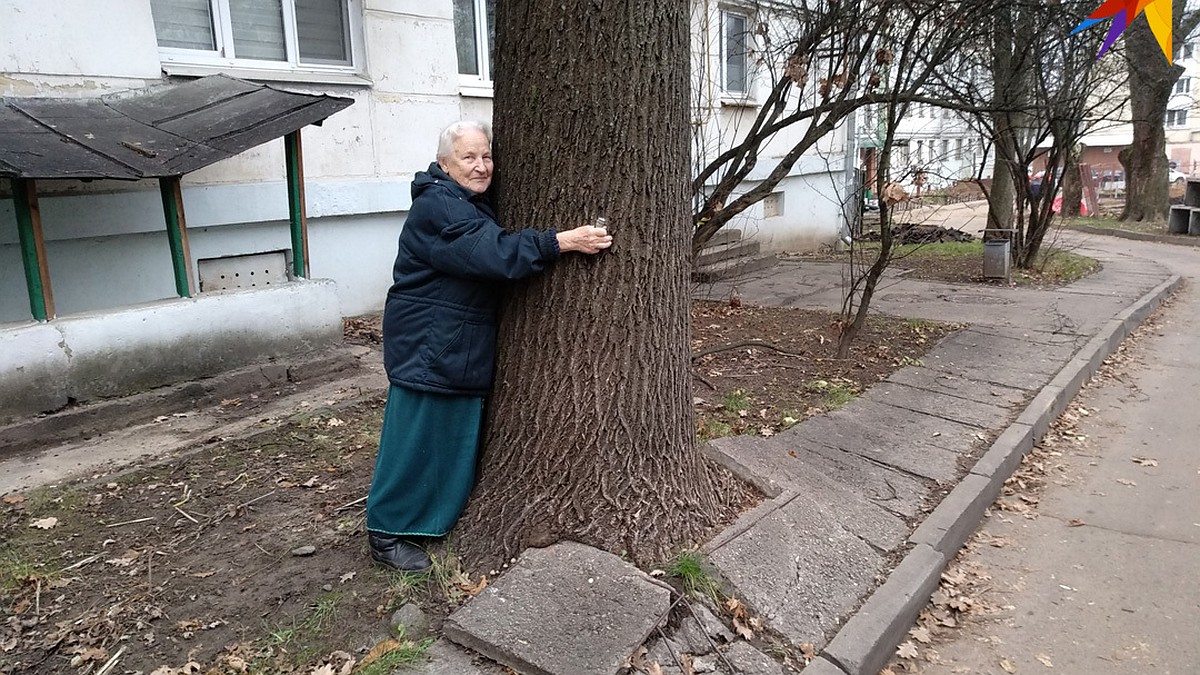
(439, 322)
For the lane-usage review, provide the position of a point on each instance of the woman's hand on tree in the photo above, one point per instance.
(584, 239)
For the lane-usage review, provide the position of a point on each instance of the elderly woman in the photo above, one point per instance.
(439, 333)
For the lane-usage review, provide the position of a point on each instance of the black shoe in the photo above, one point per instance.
(402, 556)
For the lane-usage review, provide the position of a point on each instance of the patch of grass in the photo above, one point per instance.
(1064, 266)
(735, 401)
(688, 567)
(15, 569)
(710, 428)
(304, 637)
(920, 324)
(945, 249)
(835, 394)
(406, 654)
(45, 501)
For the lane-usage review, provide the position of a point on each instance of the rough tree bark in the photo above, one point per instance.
(1151, 79)
(590, 433)
(1145, 160)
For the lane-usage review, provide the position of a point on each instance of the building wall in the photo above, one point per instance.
(106, 245)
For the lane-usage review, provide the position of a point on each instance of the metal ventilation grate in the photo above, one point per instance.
(242, 271)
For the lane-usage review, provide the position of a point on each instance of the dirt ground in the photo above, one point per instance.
(248, 555)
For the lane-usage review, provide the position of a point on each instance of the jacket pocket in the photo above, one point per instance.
(463, 355)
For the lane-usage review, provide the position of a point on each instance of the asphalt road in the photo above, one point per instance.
(1121, 592)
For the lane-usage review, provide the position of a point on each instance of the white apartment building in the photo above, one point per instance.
(409, 67)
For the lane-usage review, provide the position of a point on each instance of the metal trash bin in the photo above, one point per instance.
(997, 259)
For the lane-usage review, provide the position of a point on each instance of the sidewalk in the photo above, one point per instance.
(865, 505)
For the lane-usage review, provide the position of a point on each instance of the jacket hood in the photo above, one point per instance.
(433, 176)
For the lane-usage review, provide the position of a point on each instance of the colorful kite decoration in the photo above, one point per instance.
(1123, 12)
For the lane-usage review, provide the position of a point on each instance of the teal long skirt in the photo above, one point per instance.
(426, 464)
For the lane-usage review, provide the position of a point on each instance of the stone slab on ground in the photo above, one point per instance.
(798, 569)
(909, 441)
(961, 387)
(963, 410)
(746, 660)
(773, 461)
(567, 609)
(1009, 360)
(445, 658)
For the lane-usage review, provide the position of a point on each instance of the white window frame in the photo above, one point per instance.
(1183, 85)
(1176, 119)
(747, 15)
(481, 84)
(176, 61)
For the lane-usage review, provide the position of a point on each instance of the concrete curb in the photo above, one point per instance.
(98, 417)
(1136, 236)
(869, 638)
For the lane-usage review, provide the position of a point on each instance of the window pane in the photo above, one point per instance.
(464, 37)
(491, 40)
(184, 24)
(735, 53)
(258, 29)
(321, 31)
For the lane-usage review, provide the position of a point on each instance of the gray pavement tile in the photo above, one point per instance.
(914, 442)
(964, 410)
(445, 658)
(568, 609)
(866, 641)
(747, 660)
(960, 386)
(798, 569)
(793, 467)
(998, 359)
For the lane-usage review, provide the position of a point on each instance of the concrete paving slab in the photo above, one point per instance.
(909, 441)
(798, 569)
(961, 387)
(568, 609)
(947, 528)
(865, 643)
(999, 359)
(822, 666)
(963, 410)
(793, 467)
(788, 460)
(445, 658)
(746, 660)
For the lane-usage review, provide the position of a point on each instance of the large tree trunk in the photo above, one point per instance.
(1151, 79)
(590, 433)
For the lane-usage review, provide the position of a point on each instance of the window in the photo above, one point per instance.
(474, 38)
(1188, 50)
(1177, 118)
(1183, 85)
(945, 149)
(289, 35)
(958, 148)
(920, 154)
(735, 52)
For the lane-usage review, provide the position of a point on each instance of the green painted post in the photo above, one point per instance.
(33, 249)
(181, 263)
(296, 206)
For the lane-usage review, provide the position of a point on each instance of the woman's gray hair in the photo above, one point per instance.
(455, 131)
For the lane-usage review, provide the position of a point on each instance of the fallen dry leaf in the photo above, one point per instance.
(921, 634)
(907, 650)
(1045, 660)
(654, 669)
(1075, 522)
(1125, 481)
(45, 523)
(334, 422)
(203, 575)
(13, 499)
(1007, 666)
(346, 577)
(1145, 461)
